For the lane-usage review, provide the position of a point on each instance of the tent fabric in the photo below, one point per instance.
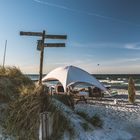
(71, 74)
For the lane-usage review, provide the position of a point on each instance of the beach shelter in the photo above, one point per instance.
(71, 74)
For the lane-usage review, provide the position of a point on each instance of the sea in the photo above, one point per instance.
(114, 80)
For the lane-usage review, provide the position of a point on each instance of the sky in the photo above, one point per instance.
(103, 36)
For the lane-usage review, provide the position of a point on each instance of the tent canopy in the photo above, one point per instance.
(71, 74)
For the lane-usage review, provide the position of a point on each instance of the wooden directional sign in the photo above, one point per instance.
(31, 33)
(39, 43)
(54, 45)
(56, 36)
(46, 36)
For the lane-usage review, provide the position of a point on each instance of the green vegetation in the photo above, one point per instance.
(22, 118)
(94, 120)
(131, 90)
(65, 99)
(60, 125)
(85, 125)
(25, 103)
(11, 82)
(83, 115)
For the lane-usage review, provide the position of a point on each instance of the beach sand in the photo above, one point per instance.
(121, 120)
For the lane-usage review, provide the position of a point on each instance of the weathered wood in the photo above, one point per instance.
(4, 53)
(56, 36)
(41, 58)
(43, 127)
(40, 46)
(31, 33)
(39, 43)
(46, 122)
(54, 45)
(46, 36)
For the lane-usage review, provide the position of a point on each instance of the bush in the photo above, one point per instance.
(94, 120)
(85, 126)
(65, 99)
(83, 114)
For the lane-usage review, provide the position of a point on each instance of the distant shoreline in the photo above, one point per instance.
(98, 76)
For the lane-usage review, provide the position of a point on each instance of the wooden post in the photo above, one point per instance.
(43, 127)
(41, 58)
(4, 53)
(46, 122)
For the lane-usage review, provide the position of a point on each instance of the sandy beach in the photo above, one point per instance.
(120, 120)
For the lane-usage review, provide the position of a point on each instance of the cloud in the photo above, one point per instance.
(120, 70)
(84, 12)
(133, 46)
(97, 45)
(130, 46)
(121, 61)
(53, 5)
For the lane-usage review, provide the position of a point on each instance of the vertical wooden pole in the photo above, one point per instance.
(46, 124)
(41, 58)
(43, 126)
(4, 53)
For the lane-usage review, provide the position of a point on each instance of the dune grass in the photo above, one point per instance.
(12, 82)
(26, 102)
(22, 118)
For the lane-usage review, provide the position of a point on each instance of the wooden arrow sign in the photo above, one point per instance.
(31, 33)
(54, 45)
(56, 36)
(46, 36)
(39, 43)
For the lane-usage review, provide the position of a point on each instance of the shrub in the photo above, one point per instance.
(94, 120)
(83, 114)
(66, 99)
(85, 126)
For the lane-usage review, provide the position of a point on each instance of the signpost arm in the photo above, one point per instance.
(41, 58)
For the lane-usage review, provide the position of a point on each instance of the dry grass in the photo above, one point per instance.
(22, 119)
(12, 82)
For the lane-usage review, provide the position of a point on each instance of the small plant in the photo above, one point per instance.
(83, 114)
(96, 121)
(65, 99)
(131, 90)
(85, 126)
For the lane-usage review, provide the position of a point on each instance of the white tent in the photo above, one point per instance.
(71, 74)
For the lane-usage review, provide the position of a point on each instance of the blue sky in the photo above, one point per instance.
(104, 32)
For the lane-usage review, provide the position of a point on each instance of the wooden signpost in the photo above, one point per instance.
(41, 45)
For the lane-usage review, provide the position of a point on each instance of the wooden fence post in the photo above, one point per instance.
(45, 129)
